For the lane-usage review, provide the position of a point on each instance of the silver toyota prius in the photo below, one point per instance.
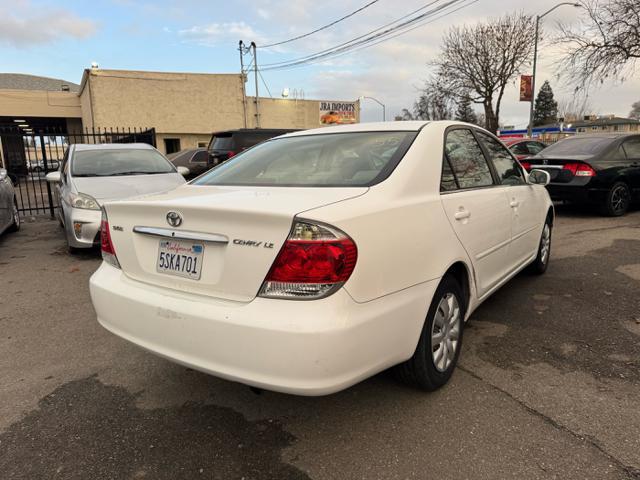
(92, 174)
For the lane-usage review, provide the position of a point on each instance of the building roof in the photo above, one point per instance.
(605, 121)
(21, 81)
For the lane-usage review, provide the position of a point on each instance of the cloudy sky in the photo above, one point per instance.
(59, 39)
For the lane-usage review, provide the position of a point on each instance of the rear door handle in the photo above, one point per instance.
(514, 203)
(462, 214)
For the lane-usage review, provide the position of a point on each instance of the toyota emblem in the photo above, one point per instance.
(174, 219)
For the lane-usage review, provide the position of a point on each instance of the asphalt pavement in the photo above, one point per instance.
(548, 385)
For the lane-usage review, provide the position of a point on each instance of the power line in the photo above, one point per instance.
(384, 35)
(362, 47)
(321, 28)
(363, 35)
(265, 84)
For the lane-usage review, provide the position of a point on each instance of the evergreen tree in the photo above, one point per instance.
(465, 112)
(546, 108)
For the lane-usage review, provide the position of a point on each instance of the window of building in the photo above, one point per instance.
(171, 145)
(467, 160)
(203, 144)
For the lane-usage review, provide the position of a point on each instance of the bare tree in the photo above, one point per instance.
(575, 107)
(435, 102)
(635, 110)
(606, 44)
(482, 60)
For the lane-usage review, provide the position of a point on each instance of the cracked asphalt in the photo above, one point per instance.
(548, 385)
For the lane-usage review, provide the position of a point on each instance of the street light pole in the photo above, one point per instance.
(384, 110)
(535, 61)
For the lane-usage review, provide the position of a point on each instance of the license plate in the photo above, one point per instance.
(183, 259)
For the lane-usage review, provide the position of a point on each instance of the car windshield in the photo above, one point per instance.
(121, 161)
(341, 159)
(577, 146)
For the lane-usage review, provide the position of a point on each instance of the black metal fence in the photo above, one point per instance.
(29, 155)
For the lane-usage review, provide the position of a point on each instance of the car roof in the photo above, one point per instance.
(255, 130)
(513, 141)
(112, 146)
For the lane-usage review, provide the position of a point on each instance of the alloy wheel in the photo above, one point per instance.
(445, 332)
(620, 199)
(545, 243)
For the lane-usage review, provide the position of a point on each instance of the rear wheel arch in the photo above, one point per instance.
(463, 276)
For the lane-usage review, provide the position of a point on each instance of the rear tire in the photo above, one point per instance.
(540, 264)
(618, 200)
(15, 226)
(433, 363)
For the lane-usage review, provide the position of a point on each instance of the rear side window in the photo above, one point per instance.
(467, 160)
(520, 149)
(506, 166)
(632, 148)
(326, 160)
(535, 147)
(448, 181)
(246, 140)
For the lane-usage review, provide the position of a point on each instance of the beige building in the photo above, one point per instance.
(183, 108)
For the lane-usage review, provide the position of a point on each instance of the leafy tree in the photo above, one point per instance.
(606, 44)
(465, 112)
(546, 108)
(635, 110)
(483, 59)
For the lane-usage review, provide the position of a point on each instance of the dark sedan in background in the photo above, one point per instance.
(599, 169)
(195, 159)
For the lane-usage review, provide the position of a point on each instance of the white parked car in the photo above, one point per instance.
(90, 175)
(317, 259)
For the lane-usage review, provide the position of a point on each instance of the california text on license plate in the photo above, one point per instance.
(180, 258)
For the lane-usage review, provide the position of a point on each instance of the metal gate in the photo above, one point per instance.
(29, 156)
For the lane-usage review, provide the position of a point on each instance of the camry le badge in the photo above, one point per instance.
(174, 219)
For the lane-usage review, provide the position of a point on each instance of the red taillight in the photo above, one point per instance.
(525, 165)
(106, 245)
(580, 169)
(230, 154)
(314, 261)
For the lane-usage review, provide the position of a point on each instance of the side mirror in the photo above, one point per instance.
(539, 177)
(184, 171)
(3, 174)
(53, 177)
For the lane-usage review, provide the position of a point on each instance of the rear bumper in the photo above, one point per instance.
(300, 347)
(576, 193)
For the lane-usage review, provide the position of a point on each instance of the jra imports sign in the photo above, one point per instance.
(337, 113)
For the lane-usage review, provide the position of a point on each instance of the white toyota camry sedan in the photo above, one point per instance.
(319, 258)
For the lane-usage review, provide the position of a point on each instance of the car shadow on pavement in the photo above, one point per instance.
(86, 429)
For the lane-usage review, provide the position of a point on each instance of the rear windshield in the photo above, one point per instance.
(344, 159)
(224, 142)
(577, 146)
(108, 163)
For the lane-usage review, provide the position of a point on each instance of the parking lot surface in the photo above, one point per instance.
(548, 385)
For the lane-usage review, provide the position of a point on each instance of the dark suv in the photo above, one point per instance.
(224, 145)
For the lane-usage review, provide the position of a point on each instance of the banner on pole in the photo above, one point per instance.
(526, 92)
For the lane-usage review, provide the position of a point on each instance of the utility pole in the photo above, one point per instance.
(255, 71)
(243, 78)
(535, 59)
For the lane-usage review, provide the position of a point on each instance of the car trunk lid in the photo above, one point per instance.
(561, 170)
(239, 229)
